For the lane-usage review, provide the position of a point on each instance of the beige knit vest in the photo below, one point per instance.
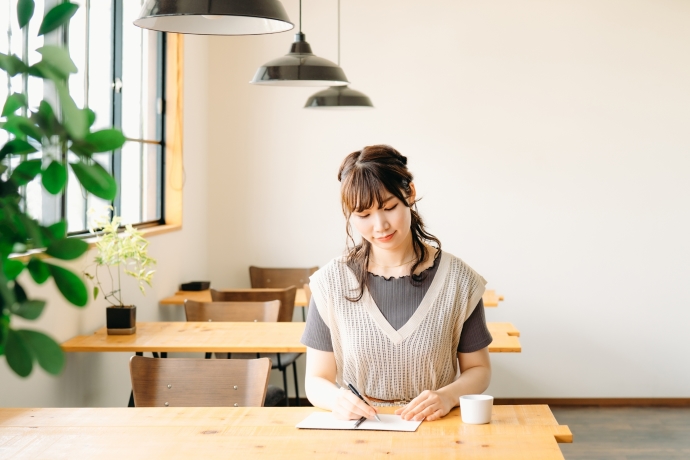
(397, 365)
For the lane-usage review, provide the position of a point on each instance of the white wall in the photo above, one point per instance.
(102, 379)
(549, 140)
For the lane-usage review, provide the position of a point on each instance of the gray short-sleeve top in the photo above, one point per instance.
(397, 299)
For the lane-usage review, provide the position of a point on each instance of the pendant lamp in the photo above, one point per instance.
(339, 97)
(214, 17)
(300, 67)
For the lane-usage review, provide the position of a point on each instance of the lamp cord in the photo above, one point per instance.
(300, 16)
(338, 33)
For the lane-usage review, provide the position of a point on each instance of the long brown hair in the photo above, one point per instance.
(364, 176)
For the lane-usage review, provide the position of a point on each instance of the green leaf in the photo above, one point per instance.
(95, 292)
(46, 350)
(57, 16)
(30, 309)
(45, 118)
(12, 268)
(26, 171)
(105, 140)
(38, 270)
(95, 180)
(58, 59)
(22, 127)
(12, 64)
(58, 229)
(54, 177)
(67, 248)
(13, 103)
(90, 116)
(16, 147)
(33, 230)
(70, 285)
(25, 11)
(18, 355)
(75, 119)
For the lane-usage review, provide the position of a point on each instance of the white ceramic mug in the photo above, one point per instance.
(476, 409)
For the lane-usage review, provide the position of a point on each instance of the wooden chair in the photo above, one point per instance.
(285, 295)
(247, 311)
(261, 277)
(185, 382)
(263, 312)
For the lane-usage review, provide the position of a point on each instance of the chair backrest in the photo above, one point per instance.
(188, 382)
(263, 312)
(307, 293)
(279, 277)
(286, 297)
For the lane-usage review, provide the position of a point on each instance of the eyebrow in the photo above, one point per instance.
(390, 197)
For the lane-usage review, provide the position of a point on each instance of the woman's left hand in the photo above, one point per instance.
(429, 405)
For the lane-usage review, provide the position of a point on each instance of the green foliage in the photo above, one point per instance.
(14, 102)
(25, 10)
(95, 179)
(54, 177)
(57, 16)
(39, 141)
(127, 250)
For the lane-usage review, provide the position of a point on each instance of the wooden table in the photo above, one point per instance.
(515, 432)
(233, 338)
(490, 298)
(205, 296)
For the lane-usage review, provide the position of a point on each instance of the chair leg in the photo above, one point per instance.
(285, 387)
(294, 371)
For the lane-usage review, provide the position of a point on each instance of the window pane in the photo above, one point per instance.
(77, 50)
(76, 201)
(100, 75)
(139, 76)
(140, 191)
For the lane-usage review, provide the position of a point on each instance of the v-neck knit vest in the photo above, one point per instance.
(396, 365)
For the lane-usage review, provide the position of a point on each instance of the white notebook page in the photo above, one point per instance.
(326, 421)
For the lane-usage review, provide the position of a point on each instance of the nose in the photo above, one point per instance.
(381, 224)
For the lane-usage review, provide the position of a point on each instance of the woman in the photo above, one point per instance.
(395, 317)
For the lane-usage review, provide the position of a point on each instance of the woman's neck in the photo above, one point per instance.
(397, 262)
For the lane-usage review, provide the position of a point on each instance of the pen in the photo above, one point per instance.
(359, 422)
(356, 393)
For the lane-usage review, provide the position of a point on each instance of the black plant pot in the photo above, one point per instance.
(121, 320)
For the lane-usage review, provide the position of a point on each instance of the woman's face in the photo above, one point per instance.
(387, 225)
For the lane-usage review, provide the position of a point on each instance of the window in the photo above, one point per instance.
(122, 79)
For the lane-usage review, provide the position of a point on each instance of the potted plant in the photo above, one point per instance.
(126, 252)
(39, 139)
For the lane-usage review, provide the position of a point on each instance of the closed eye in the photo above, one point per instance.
(391, 208)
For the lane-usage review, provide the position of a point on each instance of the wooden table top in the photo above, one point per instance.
(490, 298)
(267, 432)
(205, 296)
(233, 338)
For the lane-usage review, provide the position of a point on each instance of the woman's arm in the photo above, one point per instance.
(475, 375)
(322, 391)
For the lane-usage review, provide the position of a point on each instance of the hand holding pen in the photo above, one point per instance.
(356, 393)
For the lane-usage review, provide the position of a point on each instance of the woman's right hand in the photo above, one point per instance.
(349, 407)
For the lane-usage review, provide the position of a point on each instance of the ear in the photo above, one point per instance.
(412, 197)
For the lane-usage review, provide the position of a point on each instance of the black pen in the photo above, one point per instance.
(359, 422)
(356, 393)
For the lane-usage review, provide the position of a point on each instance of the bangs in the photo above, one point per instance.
(362, 189)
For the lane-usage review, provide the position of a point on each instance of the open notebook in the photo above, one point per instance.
(326, 421)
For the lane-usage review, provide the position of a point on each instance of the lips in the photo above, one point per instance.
(386, 238)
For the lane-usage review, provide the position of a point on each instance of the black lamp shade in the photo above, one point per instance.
(300, 67)
(339, 97)
(214, 17)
